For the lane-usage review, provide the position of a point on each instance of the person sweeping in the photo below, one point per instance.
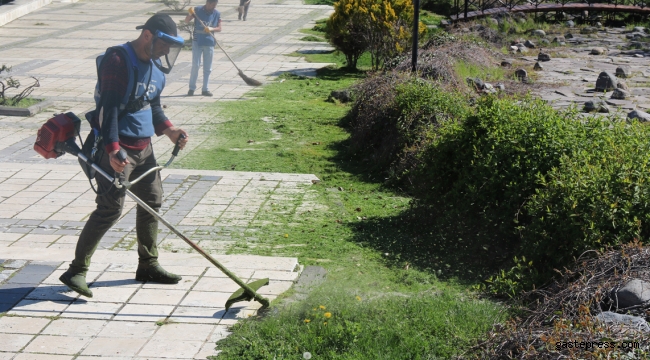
(207, 20)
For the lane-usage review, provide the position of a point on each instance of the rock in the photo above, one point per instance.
(543, 57)
(638, 55)
(627, 321)
(559, 39)
(588, 30)
(599, 24)
(597, 105)
(624, 72)
(621, 85)
(522, 49)
(340, 95)
(562, 43)
(475, 83)
(568, 36)
(606, 81)
(545, 42)
(636, 35)
(540, 33)
(514, 48)
(638, 114)
(640, 29)
(500, 86)
(521, 20)
(538, 66)
(598, 51)
(635, 292)
(489, 89)
(620, 94)
(493, 21)
(506, 62)
(521, 74)
(570, 23)
(529, 44)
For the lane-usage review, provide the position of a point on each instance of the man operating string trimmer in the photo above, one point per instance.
(131, 77)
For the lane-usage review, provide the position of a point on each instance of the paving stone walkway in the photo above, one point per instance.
(44, 203)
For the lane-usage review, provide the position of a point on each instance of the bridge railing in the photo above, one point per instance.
(492, 6)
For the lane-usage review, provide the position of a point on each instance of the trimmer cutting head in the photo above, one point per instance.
(243, 295)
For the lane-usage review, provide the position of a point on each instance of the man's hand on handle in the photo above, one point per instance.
(117, 164)
(173, 133)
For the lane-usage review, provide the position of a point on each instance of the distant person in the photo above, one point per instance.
(207, 19)
(243, 8)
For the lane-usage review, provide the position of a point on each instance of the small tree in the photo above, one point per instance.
(345, 28)
(381, 27)
(11, 83)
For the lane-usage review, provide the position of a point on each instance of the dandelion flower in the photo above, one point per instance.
(307, 321)
(325, 323)
(306, 355)
(327, 315)
(358, 297)
(286, 235)
(322, 307)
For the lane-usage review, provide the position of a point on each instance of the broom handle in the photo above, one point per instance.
(262, 300)
(216, 42)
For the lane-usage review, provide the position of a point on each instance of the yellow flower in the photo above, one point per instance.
(325, 323)
(322, 307)
(327, 315)
(307, 321)
(358, 297)
(286, 235)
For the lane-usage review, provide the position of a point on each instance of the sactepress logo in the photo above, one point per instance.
(590, 345)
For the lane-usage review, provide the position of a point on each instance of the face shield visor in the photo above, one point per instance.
(166, 63)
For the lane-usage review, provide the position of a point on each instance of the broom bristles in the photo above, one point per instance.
(249, 81)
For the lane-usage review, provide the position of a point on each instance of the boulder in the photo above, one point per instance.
(635, 292)
(598, 51)
(522, 49)
(606, 81)
(640, 29)
(570, 23)
(625, 321)
(559, 39)
(568, 36)
(638, 114)
(500, 86)
(540, 33)
(529, 44)
(507, 62)
(521, 74)
(597, 105)
(621, 85)
(538, 66)
(545, 42)
(620, 94)
(493, 21)
(624, 72)
(489, 88)
(543, 57)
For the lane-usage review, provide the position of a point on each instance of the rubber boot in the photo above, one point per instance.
(75, 279)
(153, 272)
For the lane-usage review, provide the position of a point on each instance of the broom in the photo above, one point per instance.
(248, 80)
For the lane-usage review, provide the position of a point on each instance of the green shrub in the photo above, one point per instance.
(394, 116)
(517, 177)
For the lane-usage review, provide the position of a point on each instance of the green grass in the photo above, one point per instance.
(382, 305)
(313, 38)
(24, 103)
(489, 73)
(336, 57)
(429, 18)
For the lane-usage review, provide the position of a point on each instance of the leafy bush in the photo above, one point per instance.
(513, 176)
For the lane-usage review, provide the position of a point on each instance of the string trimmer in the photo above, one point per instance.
(247, 80)
(57, 137)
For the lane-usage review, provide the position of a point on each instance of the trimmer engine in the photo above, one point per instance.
(53, 135)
